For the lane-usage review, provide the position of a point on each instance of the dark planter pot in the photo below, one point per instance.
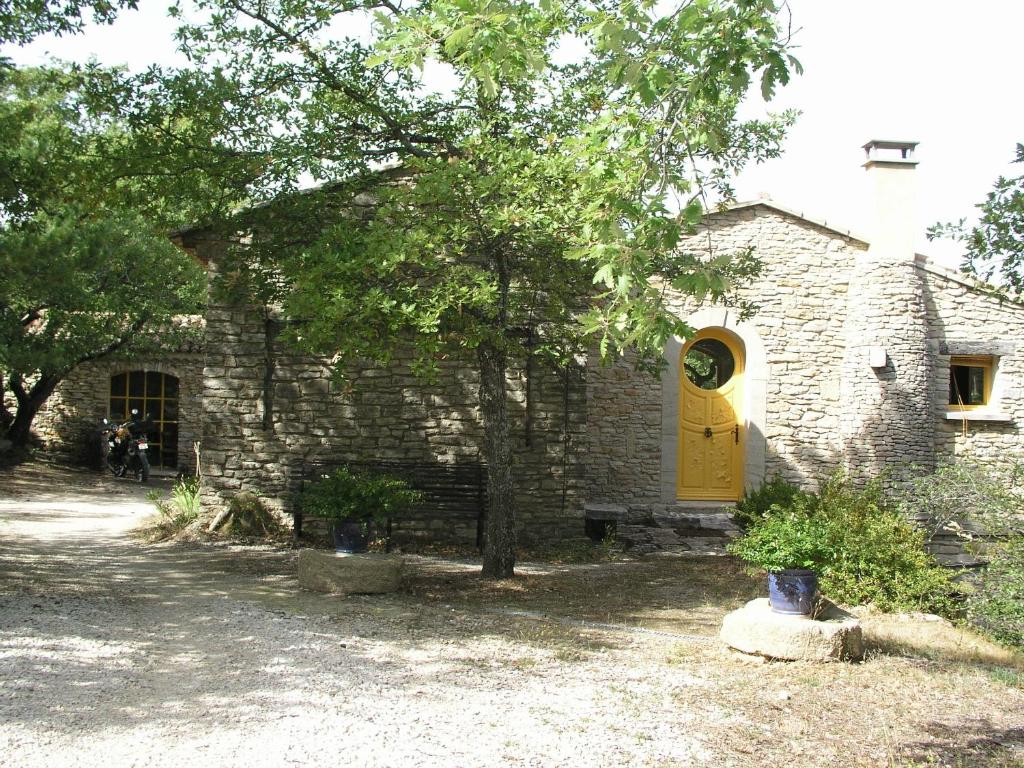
(793, 592)
(350, 536)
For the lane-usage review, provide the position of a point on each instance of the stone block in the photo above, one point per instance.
(832, 636)
(363, 574)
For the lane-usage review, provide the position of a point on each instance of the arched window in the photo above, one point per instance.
(156, 395)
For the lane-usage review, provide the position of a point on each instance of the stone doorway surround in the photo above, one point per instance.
(754, 400)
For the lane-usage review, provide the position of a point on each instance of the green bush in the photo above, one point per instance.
(996, 605)
(358, 495)
(756, 503)
(178, 512)
(984, 506)
(966, 492)
(862, 548)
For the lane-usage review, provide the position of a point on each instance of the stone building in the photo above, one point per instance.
(165, 383)
(862, 356)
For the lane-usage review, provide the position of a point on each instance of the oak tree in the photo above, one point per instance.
(994, 247)
(93, 174)
(507, 176)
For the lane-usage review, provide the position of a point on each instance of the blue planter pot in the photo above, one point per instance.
(793, 591)
(350, 537)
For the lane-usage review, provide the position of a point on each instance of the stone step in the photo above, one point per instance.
(672, 528)
(647, 540)
(689, 523)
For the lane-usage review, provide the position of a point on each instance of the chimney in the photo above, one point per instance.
(891, 167)
(886, 416)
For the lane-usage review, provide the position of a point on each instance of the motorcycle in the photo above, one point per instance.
(124, 447)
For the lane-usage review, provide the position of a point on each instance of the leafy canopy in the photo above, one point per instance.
(559, 151)
(995, 245)
(498, 177)
(85, 261)
(94, 166)
(95, 169)
(23, 20)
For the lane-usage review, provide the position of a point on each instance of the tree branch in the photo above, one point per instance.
(114, 346)
(407, 139)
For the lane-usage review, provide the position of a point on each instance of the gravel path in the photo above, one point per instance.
(117, 653)
(114, 653)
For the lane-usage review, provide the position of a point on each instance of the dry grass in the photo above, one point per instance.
(933, 638)
(677, 595)
(929, 694)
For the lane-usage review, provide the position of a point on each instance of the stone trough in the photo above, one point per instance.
(833, 635)
(362, 574)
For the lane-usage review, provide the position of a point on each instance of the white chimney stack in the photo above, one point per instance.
(891, 166)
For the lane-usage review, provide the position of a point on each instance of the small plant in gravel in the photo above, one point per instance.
(180, 510)
(183, 506)
(861, 546)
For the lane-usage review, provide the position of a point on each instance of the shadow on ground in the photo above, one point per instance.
(978, 744)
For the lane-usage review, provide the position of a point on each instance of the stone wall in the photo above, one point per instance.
(887, 413)
(66, 425)
(823, 303)
(623, 456)
(965, 320)
(802, 296)
(795, 348)
(377, 415)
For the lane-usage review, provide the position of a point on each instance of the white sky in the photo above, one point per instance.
(933, 71)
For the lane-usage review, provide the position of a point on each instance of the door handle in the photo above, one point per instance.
(736, 433)
(707, 431)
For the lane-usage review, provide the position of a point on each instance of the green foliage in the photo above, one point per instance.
(985, 507)
(185, 498)
(863, 549)
(965, 492)
(91, 183)
(358, 495)
(996, 604)
(756, 503)
(549, 190)
(547, 159)
(181, 510)
(23, 20)
(995, 245)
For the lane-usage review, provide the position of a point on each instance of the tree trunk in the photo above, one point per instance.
(500, 522)
(6, 417)
(29, 404)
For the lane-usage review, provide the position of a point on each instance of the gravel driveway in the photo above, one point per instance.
(114, 653)
(117, 653)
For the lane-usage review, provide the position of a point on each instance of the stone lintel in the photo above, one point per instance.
(594, 511)
(998, 348)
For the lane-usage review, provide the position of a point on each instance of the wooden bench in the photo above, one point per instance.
(456, 492)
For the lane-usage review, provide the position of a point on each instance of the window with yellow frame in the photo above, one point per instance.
(970, 381)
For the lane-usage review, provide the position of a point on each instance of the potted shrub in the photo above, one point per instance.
(786, 543)
(353, 501)
(857, 542)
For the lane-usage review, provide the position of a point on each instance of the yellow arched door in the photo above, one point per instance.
(710, 417)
